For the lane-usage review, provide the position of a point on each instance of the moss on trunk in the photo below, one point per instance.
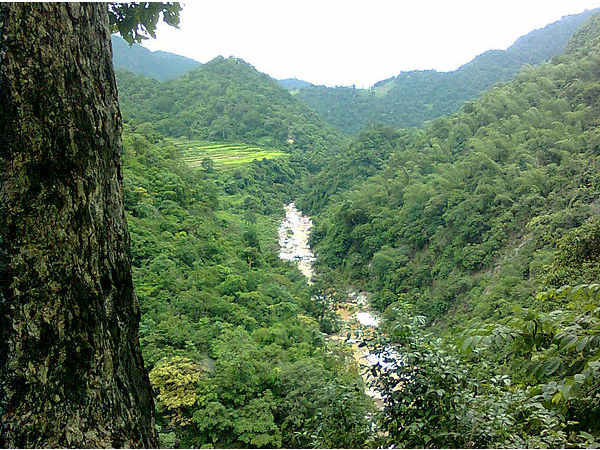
(71, 372)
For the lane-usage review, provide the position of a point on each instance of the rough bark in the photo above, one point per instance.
(71, 371)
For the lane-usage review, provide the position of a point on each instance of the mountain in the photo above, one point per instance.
(158, 65)
(478, 237)
(163, 66)
(411, 98)
(407, 100)
(224, 100)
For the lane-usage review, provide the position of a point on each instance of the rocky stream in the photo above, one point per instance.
(294, 233)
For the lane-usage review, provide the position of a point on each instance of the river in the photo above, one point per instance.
(294, 234)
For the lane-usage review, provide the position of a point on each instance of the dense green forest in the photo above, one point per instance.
(227, 100)
(229, 333)
(411, 98)
(476, 237)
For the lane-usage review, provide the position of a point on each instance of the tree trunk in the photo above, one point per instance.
(71, 371)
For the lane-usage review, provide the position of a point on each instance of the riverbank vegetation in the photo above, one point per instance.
(228, 331)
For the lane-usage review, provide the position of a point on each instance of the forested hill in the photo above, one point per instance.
(516, 165)
(485, 223)
(158, 65)
(224, 100)
(414, 97)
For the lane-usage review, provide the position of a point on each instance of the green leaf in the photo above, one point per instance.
(582, 343)
(557, 398)
(551, 366)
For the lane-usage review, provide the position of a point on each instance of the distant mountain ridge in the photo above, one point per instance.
(407, 100)
(293, 83)
(414, 97)
(164, 66)
(161, 66)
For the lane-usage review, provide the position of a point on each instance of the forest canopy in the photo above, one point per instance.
(475, 236)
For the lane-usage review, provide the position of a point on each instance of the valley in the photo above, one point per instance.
(432, 287)
(198, 255)
(355, 314)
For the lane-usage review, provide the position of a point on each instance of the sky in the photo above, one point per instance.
(352, 42)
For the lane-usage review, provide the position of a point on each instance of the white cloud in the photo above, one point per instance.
(337, 42)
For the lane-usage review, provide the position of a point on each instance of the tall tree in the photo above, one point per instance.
(71, 372)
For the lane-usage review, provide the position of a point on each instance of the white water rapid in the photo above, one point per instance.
(294, 233)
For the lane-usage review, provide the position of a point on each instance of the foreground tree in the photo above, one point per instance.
(71, 372)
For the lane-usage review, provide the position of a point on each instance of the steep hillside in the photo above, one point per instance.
(515, 167)
(224, 100)
(158, 65)
(229, 333)
(414, 97)
(485, 226)
(477, 237)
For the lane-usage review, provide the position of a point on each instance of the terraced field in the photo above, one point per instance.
(223, 155)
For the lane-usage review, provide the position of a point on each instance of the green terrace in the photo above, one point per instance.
(223, 155)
